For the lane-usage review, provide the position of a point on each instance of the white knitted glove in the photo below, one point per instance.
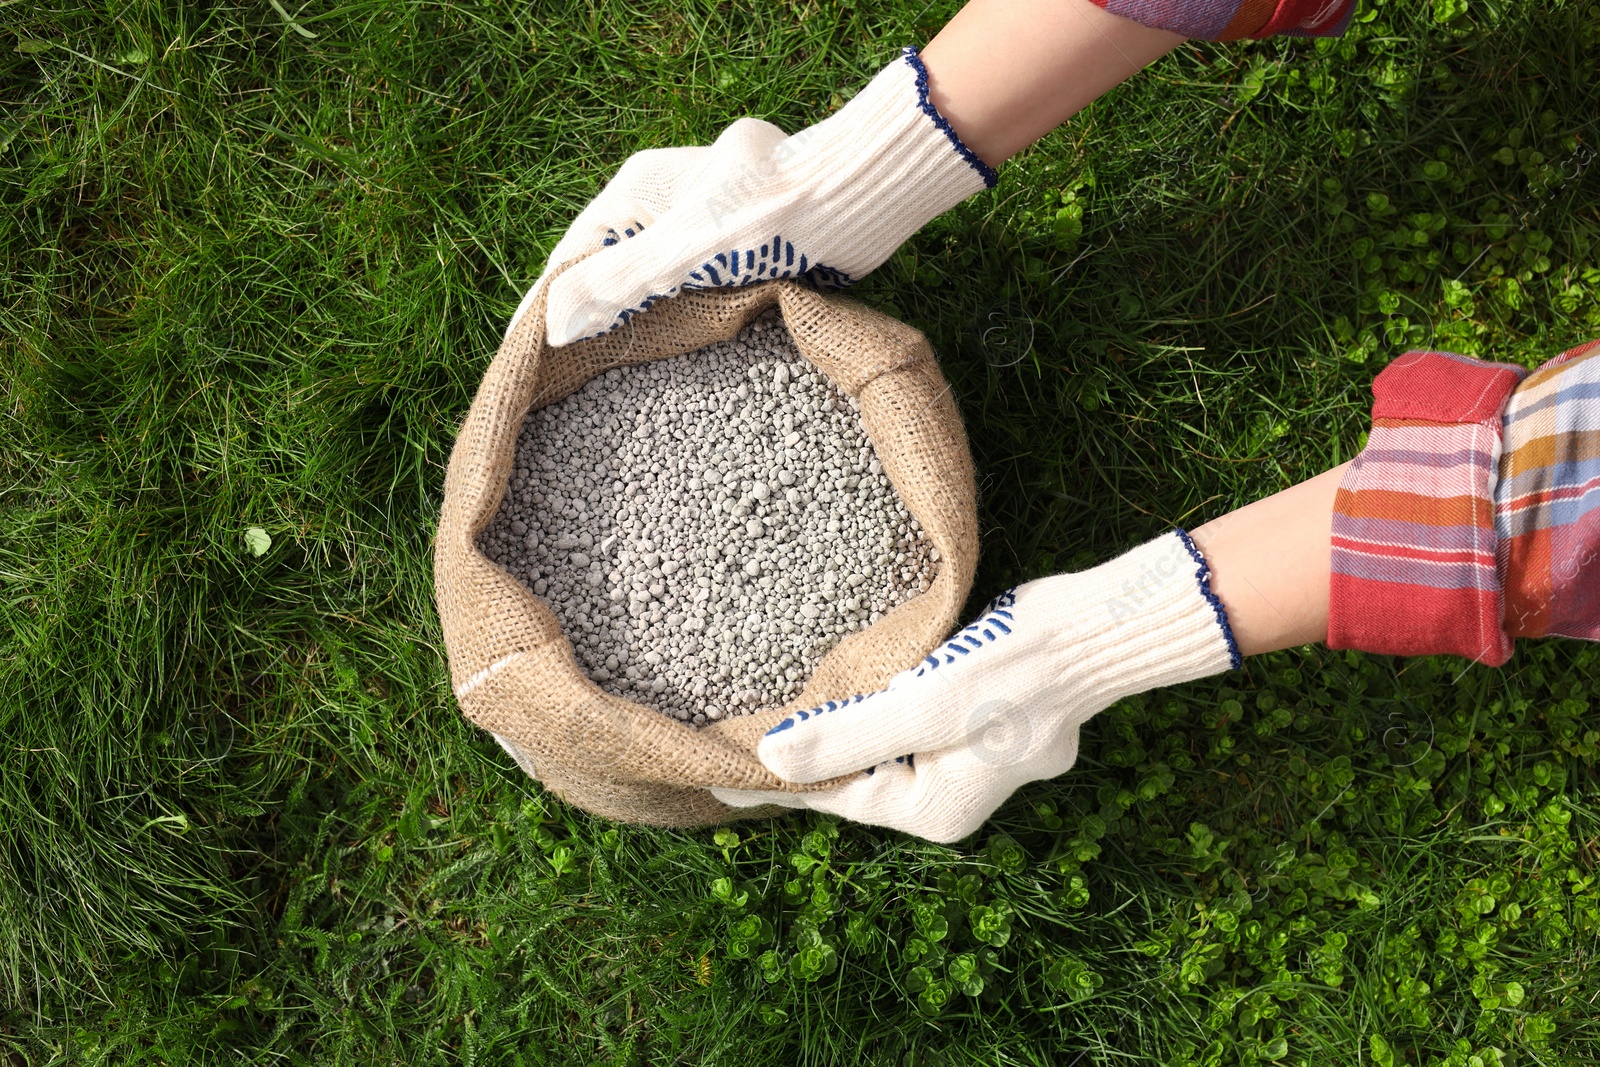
(831, 203)
(1000, 703)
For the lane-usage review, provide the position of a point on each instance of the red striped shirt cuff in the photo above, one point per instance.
(1414, 569)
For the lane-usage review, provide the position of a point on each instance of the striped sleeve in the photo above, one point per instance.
(1547, 501)
(1232, 20)
(1414, 566)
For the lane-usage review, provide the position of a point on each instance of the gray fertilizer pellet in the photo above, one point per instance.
(705, 528)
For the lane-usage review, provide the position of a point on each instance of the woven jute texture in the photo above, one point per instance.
(513, 670)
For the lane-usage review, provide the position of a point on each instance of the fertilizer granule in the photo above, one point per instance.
(706, 527)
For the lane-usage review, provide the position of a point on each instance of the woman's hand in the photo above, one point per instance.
(830, 203)
(1000, 704)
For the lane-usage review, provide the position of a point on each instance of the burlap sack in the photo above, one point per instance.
(513, 670)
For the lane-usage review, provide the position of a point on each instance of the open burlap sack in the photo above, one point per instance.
(513, 670)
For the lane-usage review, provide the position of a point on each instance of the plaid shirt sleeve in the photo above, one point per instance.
(1231, 20)
(1473, 510)
(1547, 503)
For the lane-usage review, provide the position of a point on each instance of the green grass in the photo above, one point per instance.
(253, 267)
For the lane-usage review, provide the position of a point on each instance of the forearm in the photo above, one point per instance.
(1004, 73)
(1270, 562)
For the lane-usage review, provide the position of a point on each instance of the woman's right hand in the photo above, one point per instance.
(1001, 703)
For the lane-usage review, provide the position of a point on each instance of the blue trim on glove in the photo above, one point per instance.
(990, 178)
(1203, 576)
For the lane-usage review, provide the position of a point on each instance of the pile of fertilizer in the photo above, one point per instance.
(706, 527)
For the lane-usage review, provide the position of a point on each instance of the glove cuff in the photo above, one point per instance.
(892, 126)
(880, 167)
(1144, 620)
(911, 58)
